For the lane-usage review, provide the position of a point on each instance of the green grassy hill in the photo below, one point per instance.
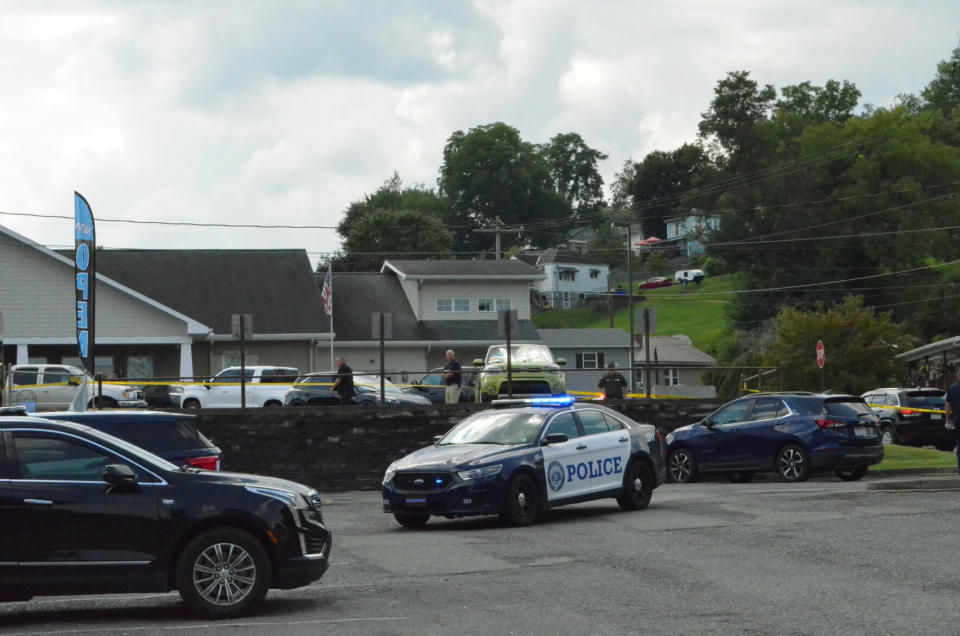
(691, 310)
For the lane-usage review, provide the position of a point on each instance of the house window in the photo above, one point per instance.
(568, 274)
(503, 304)
(594, 274)
(485, 304)
(590, 360)
(444, 304)
(671, 377)
(461, 304)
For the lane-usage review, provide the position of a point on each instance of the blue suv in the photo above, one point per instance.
(792, 434)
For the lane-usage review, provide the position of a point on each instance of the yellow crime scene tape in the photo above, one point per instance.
(907, 409)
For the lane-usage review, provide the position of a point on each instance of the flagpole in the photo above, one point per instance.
(330, 273)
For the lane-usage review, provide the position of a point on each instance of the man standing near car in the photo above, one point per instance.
(953, 412)
(452, 378)
(344, 382)
(612, 384)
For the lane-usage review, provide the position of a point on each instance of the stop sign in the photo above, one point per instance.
(821, 355)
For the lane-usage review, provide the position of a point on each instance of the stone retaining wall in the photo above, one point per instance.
(348, 448)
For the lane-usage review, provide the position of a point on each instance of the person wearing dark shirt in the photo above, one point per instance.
(452, 378)
(613, 384)
(953, 412)
(344, 382)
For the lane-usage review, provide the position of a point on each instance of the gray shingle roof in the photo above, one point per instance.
(358, 295)
(277, 286)
(463, 268)
(553, 255)
(578, 338)
(450, 330)
(675, 350)
(670, 349)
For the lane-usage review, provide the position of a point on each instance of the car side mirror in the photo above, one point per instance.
(554, 438)
(437, 438)
(477, 362)
(119, 475)
(708, 423)
(561, 360)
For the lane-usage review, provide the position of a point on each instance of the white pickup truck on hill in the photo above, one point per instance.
(265, 386)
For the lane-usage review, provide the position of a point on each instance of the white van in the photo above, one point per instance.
(685, 276)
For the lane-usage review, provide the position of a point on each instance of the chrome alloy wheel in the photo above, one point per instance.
(638, 485)
(522, 503)
(224, 574)
(791, 464)
(680, 466)
(886, 437)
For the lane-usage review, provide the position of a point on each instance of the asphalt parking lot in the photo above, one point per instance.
(823, 557)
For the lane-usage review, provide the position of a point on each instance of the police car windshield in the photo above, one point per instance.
(495, 427)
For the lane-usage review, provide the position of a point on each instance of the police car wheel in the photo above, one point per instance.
(522, 502)
(682, 467)
(637, 487)
(412, 519)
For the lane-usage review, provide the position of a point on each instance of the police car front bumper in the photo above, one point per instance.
(455, 497)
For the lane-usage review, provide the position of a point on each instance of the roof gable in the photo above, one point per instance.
(66, 257)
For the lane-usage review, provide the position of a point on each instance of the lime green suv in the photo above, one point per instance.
(535, 372)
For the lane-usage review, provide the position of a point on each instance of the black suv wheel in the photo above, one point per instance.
(223, 572)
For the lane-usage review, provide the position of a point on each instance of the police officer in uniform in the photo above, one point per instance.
(613, 385)
(344, 382)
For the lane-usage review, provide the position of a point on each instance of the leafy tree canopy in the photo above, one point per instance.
(860, 346)
(943, 92)
(490, 172)
(573, 171)
(396, 221)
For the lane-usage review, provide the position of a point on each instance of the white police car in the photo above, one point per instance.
(531, 455)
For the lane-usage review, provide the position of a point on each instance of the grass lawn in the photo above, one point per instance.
(909, 458)
(691, 310)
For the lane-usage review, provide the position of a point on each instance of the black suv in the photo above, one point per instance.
(172, 436)
(83, 512)
(905, 417)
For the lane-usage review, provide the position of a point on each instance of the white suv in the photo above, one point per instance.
(52, 387)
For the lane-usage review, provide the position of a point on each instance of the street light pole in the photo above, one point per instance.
(630, 301)
(630, 295)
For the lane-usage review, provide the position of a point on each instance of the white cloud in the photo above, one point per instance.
(207, 112)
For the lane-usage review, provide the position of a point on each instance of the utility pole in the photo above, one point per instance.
(497, 229)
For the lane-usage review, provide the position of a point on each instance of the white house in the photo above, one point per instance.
(568, 279)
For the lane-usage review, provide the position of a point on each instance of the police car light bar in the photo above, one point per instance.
(560, 400)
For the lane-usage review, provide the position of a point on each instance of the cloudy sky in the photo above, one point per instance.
(284, 112)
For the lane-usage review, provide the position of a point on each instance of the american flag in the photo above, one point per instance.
(327, 293)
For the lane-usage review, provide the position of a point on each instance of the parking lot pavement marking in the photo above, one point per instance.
(209, 626)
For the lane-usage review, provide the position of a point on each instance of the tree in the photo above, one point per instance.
(395, 221)
(943, 92)
(489, 172)
(860, 346)
(660, 182)
(573, 171)
(739, 105)
(607, 245)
